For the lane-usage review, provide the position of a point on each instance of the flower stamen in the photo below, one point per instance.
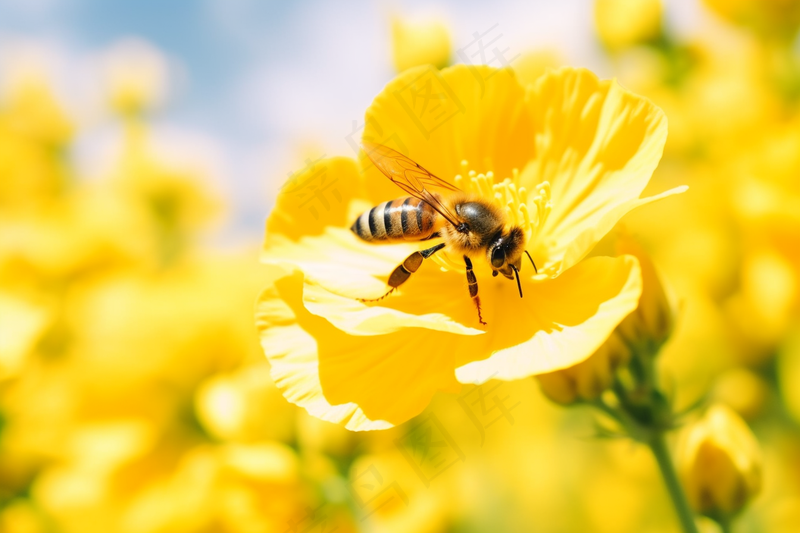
(528, 210)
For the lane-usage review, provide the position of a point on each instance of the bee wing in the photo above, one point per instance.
(410, 176)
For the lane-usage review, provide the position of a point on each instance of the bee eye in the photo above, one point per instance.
(498, 257)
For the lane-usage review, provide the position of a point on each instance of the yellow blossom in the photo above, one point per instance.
(720, 462)
(19, 516)
(244, 406)
(420, 42)
(21, 325)
(136, 76)
(743, 391)
(625, 23)
(769, 17)
(33, 130)
(565, 158)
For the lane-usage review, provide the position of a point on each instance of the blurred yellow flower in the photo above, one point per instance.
(402, 504)
(771, 18)
(21, 325)
(643, 331)
(586, 148)
(136, 76)
(420, 42)
(719, 460)
(33, 131)
(244, 406)
(19, 516)
(743, 391)
(625, 23)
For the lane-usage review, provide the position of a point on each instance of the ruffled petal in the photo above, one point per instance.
(558, 323)
(439, 118)
(339, 268)
(364, 383)
(597, 144)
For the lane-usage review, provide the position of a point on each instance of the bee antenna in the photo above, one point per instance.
(516, 274)
(531, 258)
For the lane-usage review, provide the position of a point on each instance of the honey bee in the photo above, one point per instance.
(466, 223)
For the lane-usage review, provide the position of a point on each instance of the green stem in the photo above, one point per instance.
(685, 514)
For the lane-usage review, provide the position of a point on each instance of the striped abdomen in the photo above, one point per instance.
(404, 219)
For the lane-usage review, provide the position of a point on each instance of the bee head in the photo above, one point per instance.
(505, 252)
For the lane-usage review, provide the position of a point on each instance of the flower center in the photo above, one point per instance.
(528, 210)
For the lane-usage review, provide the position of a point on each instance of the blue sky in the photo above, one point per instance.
(262, 84)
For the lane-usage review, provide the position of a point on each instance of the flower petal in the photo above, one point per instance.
(597, 144)
(439, 118)
(559, 323)
(339, 268)
(584, 242)
(318, 196)
(359, 382)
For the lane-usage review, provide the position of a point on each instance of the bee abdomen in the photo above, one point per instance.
(404, 219)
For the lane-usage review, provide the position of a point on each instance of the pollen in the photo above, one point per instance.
(528, 209)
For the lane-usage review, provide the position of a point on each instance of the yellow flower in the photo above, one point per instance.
(21, 325)
(244, 406)
(392, 499)
(720, 462)
(33, 132)
(773, 17)
(743, 391)
(136, 76)
(625, 23)
(586, 149)
(20, 516)
(420, 42)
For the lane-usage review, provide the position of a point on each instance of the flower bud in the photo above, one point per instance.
(643, 331)
(588, 379)
(625, 23)
(650, 325)
(720, 463)
(425, 42)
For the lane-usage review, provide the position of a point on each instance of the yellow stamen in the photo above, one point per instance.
(526, 209)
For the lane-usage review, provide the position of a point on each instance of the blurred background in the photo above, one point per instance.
(141, 147)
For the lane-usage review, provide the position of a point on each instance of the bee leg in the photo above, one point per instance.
(404, 270)
(472, 281)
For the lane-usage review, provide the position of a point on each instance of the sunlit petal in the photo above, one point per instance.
(559, 323)
(597, 144)
(363, 383)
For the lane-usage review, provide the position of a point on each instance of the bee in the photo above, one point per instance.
(467, 224)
